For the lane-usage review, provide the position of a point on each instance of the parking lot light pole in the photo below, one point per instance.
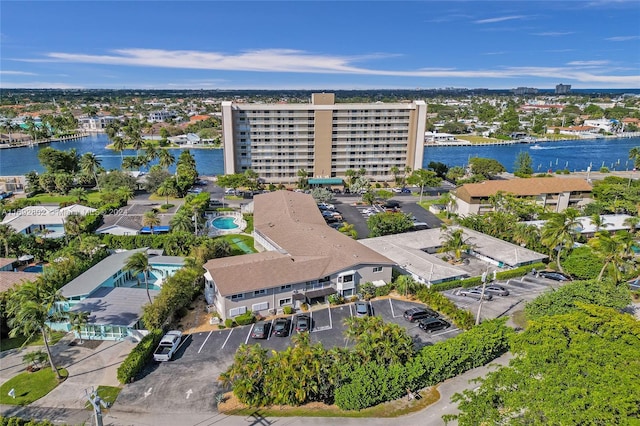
(484, 284)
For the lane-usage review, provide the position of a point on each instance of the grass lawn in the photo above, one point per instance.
(399, 407)
(249, 219)
(520, 319)
(30, 387)
(106, 393)
(235, 249)
(155, 197)
(16, 342)
(92, 196)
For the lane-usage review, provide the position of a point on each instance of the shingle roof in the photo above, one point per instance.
(4, 261)
(8, 279)
(522, 187)
(310, 249)
(94, 277)
(166, 260)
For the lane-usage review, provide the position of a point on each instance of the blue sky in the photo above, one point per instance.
(319, 45)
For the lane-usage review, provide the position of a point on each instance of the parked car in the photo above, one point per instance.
(330, 213)
(554, 275)
(497, 290)
(303, 323)
(415, 314)
(336, 224)
(433, 324)
(474, 293)
(168, 346)
(391, 204)
(363, 309)
(281, 327)
(406, 191)
(326, 206)
(260, 330)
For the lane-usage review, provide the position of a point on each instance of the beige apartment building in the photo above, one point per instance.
(323, 137)
(302, 260)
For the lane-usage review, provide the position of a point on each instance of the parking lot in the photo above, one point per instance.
(189, 383)
(520, 290)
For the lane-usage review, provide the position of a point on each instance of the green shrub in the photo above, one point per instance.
(476, 281)
(336, 299)
(138, 357)
(245, 319)
(604, 170)
(384, 290)
(229, 323)
(370, 384)
(287, 310)
(167, 206)
(462, 318)
(17, 421)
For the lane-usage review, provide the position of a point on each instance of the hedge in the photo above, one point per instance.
(245, 319)
(369, 384)
(476, 281)
(462, 318)
(138, 357)
(18, 421)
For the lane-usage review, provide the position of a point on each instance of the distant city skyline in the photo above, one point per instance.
(320, 45)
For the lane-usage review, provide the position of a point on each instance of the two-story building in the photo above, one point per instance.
(302, 260)
(555, 194)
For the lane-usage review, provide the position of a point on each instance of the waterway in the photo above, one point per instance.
(571, 155)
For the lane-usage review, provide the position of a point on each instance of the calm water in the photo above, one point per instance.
(572, 155)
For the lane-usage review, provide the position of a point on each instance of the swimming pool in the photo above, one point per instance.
(224, 222)
(34, 268)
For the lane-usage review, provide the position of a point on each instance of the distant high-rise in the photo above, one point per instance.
(563, 89)
(324, 138)
(524, 91)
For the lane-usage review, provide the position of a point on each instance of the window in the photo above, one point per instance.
(377, 269)
(260, 306)
(237, 296)
(237, 311)
(285, 287)
(259, 292)
(285, 301)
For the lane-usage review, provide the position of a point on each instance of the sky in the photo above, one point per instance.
(319, 44)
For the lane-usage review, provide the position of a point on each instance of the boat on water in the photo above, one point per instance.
(536, 146)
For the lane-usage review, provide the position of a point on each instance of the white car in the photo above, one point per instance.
(325, 206)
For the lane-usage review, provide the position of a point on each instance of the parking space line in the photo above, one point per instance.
(184, 340)
(393, 314)
(445, 332)
(270, 329)
(350, 311)
(310, 320)
(291, 326)
(330, 321)
(226, 340)
(205, 341)
(249, 334)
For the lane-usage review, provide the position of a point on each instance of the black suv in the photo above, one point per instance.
(415, 314)
(281, 327)
(433, 324)
(554, 275)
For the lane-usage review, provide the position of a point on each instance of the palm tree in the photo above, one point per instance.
(78, 320)
(453, 242)
(598, 221)
(166, 159)
(395, 171)
(73, 225)
(349, 229)
(614, 250)
(119, 145)
(632, 222)
(181, 223)
(6, 232)
(150, 219)
(303, 181)
(424, 178)
(90, 164)
(138, 263)
(31, 307)
(559, 233)
(80, 194)
(634, 154)
(125, 193)
(351, 174)
(130, 163)
(150, 152)
(166, 189)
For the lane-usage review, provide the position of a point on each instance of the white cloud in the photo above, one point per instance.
(39, 85)
(623, 38)
(498, 19)
(6, 72)
(553, 34)
(296, 61)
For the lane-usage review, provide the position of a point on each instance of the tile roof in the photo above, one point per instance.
(522, 187)
(5, 261)
(309, 249)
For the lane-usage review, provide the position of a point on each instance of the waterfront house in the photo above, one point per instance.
(553, 193)
(47, 221)
(113, 296)
(610, 223)
(301, 260)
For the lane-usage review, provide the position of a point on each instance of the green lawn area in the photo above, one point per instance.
(16, 342)
(106, 393)
(92, 196)
(235, 249)
(30, 387)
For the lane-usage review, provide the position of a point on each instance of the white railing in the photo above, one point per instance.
(238, 219)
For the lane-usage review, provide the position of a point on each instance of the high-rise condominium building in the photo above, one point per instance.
(563, 89)
(324, 138)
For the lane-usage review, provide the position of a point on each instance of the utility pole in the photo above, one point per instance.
(484, 284)
(97, 404)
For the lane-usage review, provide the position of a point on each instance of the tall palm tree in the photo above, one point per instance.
(166, 159)
(349, 230)
(303, 180)
(632, 222)
(181, 223)
(90, 164)
(78, 320)
(634, 154)
(119, 145)
(559, 233)
(598, 221)
(125, 193)
(130, 163)
(166, 189)
(614, 250)
(6, 232)
(73, 225)
(138, 263)
(150, 219)
(395, 171)
(31, 307)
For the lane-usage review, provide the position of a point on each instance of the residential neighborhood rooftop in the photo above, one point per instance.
(522, 187)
